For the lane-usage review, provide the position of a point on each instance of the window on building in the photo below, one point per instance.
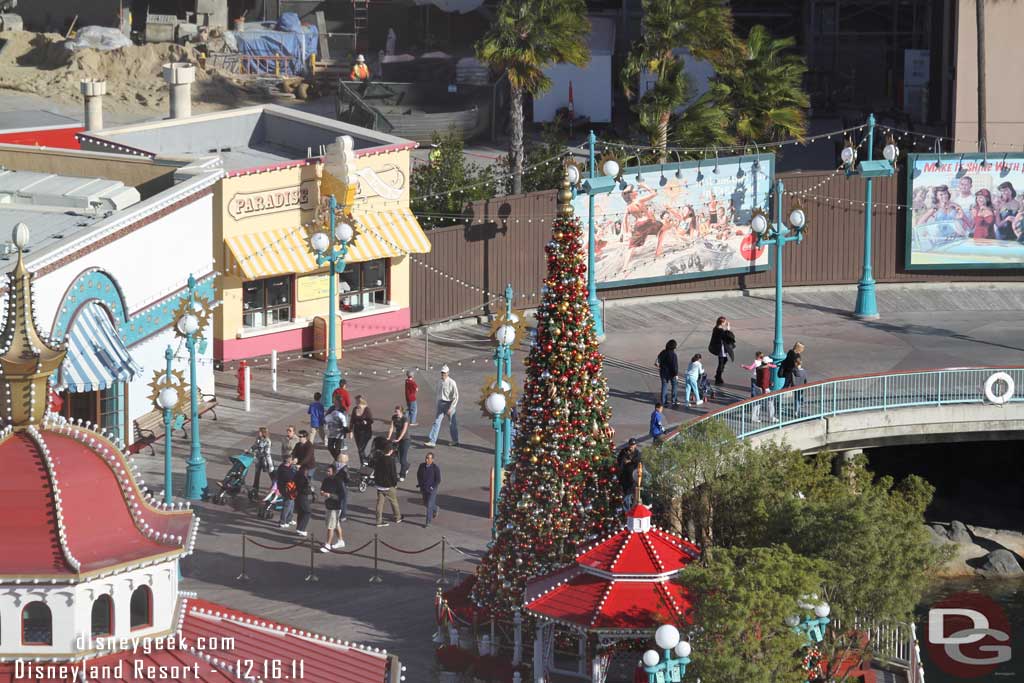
(363, 285)
(36, 624)
(267, 302)
(103, 616)
(142, 607)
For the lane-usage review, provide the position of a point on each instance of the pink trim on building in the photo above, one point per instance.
(273, 167)
(302, 339)
(384, 149)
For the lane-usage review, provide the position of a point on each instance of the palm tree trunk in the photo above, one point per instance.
(982, 113)
(516, 143)
(662, 141)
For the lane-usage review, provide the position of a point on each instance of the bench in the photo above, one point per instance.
(149, 428)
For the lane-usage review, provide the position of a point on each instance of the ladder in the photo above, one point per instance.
(360, 14)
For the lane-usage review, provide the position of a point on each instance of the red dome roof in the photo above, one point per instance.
(71, 507)
(622, 583)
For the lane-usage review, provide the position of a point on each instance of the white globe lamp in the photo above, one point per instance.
(651, 658)
(343, 232)
(320, 241)
(797, 218)
(823, 610)
(759, 224)
(573, 172)
(848, 155)
(188, 324)
(505, 335)
(495, 404)
(891, 152)
(610, 168)
(667, 637)
(683, 649)
(791, 621)
(167, 398)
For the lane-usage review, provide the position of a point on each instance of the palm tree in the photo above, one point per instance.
(703, 26)
(526, 37)
(762, 86)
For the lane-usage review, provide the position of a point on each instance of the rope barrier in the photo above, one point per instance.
(349, 552)
(271, 547)
(410, 552)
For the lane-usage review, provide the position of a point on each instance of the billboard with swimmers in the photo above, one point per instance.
(965, 211)
(680, 221)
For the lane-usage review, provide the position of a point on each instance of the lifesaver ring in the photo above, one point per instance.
(990, 384)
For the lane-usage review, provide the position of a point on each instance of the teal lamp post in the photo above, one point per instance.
(812, 627)
(663, 668)
(192, 317)
(594, 186)
(778, 234)
(331, 249)
(867, 306)
(498, 397)
(165, 397)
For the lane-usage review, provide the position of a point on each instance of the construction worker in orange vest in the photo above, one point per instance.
(360, 72)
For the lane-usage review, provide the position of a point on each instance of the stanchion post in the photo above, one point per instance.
(243, 576)
(376, 575)
(312, 554)
(273, 371)
(443, 580)
(248, 388)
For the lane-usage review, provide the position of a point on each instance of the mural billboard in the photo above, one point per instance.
(965, 211)
(679, 221)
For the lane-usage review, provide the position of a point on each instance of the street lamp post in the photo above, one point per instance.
(867, 306)
(165, 397)
(667, 667)
(331, 249)
(498, 398)
(192, 318)
(812, 627)
(778, 235)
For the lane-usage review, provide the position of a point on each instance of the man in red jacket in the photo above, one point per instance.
(410, 397)
(341, 397)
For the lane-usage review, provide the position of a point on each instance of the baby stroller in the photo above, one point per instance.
(271, 504)
(234, 481)
(360, 478)
(707, 389)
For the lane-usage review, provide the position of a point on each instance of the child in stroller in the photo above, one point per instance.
(707, 389)
(271, 505)
(234, 481)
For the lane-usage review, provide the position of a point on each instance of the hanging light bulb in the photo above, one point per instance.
(849, 154)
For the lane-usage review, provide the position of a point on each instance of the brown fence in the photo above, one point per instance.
(504, 242)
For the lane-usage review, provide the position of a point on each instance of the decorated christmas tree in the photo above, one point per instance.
(560, 493)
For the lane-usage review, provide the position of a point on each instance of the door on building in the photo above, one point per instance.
(105, 407)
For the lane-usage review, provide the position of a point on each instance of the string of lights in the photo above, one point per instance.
(904, 133)
(742, 148)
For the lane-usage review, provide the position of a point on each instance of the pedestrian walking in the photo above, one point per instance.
(428, 480)
(668, 369)
(341, 398)
(398, 433)
(316, 419)
(764, 386)
(693, 372)
(286, 487)
(342, 473)
(361, 424)
(626, 452)
(754, 365)
(799, 379)
(722, 346)
(385, 476)
(305, 454)
(627, 477)
(335, 428)
(260, 452)
(332, 489)
(303, 500)
(288, 442)
(447, 400)
(657, 430)
(411, 390)
(789, 364)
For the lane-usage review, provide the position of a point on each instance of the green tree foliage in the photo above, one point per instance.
(741, 600)
(432, 183)
(704, 26)
(538, 174)
(526, 37)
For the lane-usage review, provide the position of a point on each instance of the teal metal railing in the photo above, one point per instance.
(882, 391)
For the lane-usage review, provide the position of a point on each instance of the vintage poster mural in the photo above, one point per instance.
(680, 221)
(965, 211)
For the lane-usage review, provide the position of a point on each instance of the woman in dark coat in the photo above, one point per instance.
(361, 424)
(721, 346)
(787, 367)
(303, 501)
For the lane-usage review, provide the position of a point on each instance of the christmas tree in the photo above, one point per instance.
(560, 493)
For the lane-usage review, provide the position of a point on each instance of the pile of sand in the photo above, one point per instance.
(39, 63)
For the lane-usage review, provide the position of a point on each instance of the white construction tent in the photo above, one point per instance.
(591, 84)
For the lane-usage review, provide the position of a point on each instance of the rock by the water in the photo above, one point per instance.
(1000, 563)
(958, 532)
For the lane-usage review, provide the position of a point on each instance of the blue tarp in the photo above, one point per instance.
(287, 38)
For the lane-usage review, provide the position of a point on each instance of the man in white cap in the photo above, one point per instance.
(447, 400)
(360, 72)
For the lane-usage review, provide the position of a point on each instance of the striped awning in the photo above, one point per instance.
(272, 252)
(97, 358)
(386, 233)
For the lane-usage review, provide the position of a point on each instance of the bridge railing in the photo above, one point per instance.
(881, 391)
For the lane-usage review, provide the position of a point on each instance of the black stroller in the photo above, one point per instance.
(234, 481)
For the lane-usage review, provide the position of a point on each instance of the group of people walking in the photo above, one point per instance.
(385, 455)
(698, 389)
